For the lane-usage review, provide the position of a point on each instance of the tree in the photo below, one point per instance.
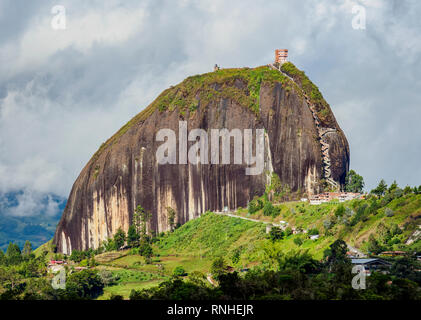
(136, 219)
(179, 272)
(395, 230)
(13, 254)
(76, 256)
(337, 253)
(313, 232)
(340, 211)
(272, 254)
(171, 217)
(300, 261)
(38, 289)
(275, 184)
(270, 210)
(354, 182)
(10, 276)
(84, 263)
(235, 258)
(380, 189)
(33, 268)
(327, 224)
(109, 245)
(267, 209)
(132, 237)
(255, 205)
(407, 190)
(388, 212)
(85, 284)
(276, 234)
(107, 277)
(119, 238)
(404, 289)
(298, 241)
(218, 267)
(340, 265)
(406, 267)
(288, 231)
(27, 249)
(92, 262)
(140, 219)
(373, 245)
(145, 250)
(393, 186)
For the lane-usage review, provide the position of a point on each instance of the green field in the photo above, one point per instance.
(129, 280)
(124, 289)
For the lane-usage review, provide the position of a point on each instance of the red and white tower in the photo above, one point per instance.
(281, 56)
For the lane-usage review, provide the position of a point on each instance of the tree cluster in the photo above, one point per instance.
(292, 276)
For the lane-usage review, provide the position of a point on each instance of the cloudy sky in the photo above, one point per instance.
(64, 92)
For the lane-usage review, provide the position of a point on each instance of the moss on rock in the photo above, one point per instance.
(239, 84)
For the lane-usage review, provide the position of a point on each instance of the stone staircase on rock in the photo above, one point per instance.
(322, 132)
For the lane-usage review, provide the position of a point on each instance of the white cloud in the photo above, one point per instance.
(112, 25)
(28, 203)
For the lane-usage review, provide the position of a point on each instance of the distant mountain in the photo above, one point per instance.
(28, 216)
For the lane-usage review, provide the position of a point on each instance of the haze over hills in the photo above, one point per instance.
(21, 221)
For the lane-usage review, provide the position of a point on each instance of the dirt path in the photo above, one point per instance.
(229, 214)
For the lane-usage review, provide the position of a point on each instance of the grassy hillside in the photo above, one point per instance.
(196, 244)
(47, 249)
(193, 246)
(389, 221)
(372, 225)
(212, 235)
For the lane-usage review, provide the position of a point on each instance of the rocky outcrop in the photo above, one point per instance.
(125, 173)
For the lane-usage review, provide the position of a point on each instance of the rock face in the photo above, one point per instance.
(125, 173)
